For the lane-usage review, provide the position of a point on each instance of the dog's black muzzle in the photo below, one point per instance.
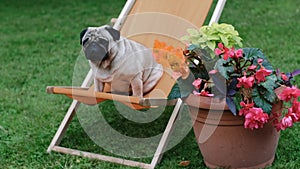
(96, 51)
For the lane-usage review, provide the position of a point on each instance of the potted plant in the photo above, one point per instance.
(239, 102)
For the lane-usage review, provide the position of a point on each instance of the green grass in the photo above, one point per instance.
(39, 47)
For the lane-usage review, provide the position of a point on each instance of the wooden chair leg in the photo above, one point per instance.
(69, 116)
(63, 126)
(164, 139)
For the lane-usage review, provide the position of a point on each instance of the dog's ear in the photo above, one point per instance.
(82, 33)
(114, 33)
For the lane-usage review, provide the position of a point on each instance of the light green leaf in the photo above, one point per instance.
(185, 38)
(213, 37)
(211, 45)
(224, 40)
(193, 32)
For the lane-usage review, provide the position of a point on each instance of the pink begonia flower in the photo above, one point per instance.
(292, 114)
(259, 61)
(218, 51)
(286, 122)
(205, 93)
(284, 77)
(246, 82)
(252, 67)
(226, 55)
(231, 53)
(245, 108)
(220, 45)
(255, 118)
(239, 53)
(214, 71)
(296, 108)
(197, 83)
(202, 93)
(222, 50)
(261, 74)
(289, 93)
(245, 105)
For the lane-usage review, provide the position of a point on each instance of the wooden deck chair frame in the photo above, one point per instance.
(70, 91)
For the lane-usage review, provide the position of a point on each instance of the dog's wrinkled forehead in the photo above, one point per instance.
(96, 33)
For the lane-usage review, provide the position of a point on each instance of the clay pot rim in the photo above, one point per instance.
(206, 102)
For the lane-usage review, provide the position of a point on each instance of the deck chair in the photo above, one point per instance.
(134, 27)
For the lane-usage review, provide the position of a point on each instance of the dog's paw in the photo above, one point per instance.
(98, 85)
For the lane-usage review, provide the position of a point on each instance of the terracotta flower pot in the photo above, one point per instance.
(223, 140)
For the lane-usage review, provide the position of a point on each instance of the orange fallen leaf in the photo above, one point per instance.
(184, 163)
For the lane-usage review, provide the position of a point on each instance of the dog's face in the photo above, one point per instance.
(96, 42)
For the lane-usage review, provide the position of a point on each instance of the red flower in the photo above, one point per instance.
(289, 93)
(261, 74)
(245, 108)
(220, 50)
(255, 118)
(245, 105)
(284, 77)
(252, 67)
(293, 115)
(223, 50)
(214, 71)
(286, 122)
(238, 53)
(197, 83)
(246, 82)
(296, 108)
(259, 61)
(202, 93)
(231, 53)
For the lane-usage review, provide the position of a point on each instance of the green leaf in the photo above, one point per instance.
(237, 99)
(231, 105)
(211, 45)
(213, 37)
(175, 92)
(192, 47)
(182, 88)
(185, 38)
(267, 88)
(238, 41)
(225, 40)
(193, 32)
(253, 54)
(270, 83)
(260, 101)
(223, 69)
(270, 96)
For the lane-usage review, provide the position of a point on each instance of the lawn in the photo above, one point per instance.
(40, 45)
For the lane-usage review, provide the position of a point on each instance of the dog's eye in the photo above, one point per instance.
(103, 41)
(85, 41)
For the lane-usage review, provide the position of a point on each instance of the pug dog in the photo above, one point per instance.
(127, 65)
